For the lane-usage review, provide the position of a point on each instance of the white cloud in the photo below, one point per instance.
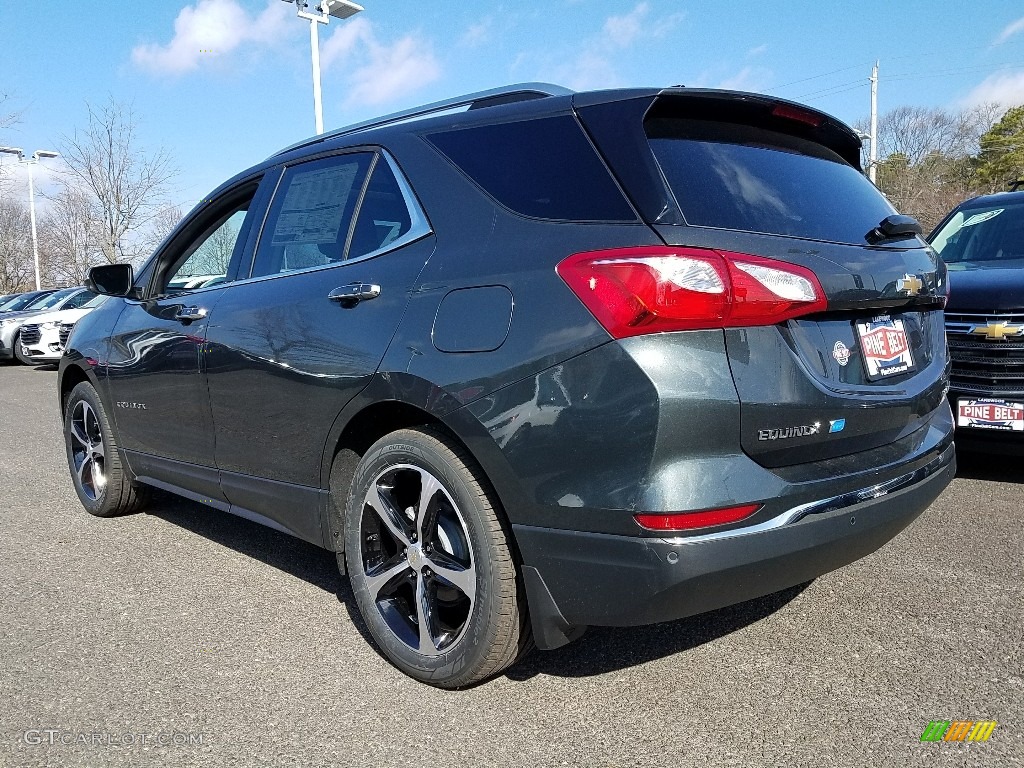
(622, 31)
(210, 29)
(382, 72)
(763, 48)
(747, 79)
(1009, 31)
(477, 34)
(594, 65)
(1006, 90)
(588, 71)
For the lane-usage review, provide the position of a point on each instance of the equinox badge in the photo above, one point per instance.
(784, 433)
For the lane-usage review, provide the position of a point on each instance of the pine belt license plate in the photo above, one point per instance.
(885, 347)
(988, 413)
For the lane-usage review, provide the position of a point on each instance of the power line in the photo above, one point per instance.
(824, 91)
(816, 77)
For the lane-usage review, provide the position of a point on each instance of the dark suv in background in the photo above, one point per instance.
(532, 360)
(982, 243)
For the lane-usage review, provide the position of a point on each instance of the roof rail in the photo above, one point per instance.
(1015, 185)
(505, 95)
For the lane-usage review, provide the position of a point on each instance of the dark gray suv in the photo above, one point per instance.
(533, 360)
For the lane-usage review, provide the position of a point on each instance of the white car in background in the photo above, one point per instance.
(42, 340)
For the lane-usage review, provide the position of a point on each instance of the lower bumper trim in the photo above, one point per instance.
(605, 580)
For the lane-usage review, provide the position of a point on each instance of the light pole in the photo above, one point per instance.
(38, 155)
(320, 12)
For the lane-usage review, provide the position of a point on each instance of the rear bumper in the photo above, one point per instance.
(575, 579)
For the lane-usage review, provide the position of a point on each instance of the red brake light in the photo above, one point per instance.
(633, 291)
(683, 521)
(795, 113)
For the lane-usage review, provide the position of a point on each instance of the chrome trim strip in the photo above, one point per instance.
(831, 504)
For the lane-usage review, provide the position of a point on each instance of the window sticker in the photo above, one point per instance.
(314, 206)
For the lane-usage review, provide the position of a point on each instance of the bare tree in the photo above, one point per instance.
(69, 235)
(8, 118)
(128, 184)
(161, 225)
(17, 269)
(214, 255)
(927, 157)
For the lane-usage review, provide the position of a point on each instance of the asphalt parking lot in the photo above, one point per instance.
(187, 625)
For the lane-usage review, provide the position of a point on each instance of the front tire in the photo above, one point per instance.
(104, 486)
(20, 353)
(429, 561)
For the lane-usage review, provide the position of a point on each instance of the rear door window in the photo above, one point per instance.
(544, 168)
(310, 218)
(740, 177)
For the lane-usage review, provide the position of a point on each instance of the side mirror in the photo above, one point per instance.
(111, 279)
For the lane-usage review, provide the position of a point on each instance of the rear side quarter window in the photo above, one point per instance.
(544, 168)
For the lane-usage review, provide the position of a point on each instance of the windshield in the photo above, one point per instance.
(53, 299)
(991, 235)
(19, 302)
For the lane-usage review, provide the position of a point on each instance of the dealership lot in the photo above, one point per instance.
(189, 625)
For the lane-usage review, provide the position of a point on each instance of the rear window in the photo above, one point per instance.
(993, 234)
(740, 177)
(544, 168)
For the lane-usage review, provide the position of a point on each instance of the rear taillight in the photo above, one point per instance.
(633, 291)
(683, 521)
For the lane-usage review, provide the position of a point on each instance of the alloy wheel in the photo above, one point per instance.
(87, 450)
(417, 559)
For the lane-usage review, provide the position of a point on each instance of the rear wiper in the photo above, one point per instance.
(892, 227)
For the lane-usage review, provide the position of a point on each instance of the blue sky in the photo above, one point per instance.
(224, 83)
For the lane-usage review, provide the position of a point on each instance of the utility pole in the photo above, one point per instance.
(873, 152)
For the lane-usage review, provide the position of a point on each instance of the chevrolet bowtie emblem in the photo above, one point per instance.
(994, 331)
(909, 284)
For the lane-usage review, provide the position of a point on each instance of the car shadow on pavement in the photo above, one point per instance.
(599, 651)
(978, 464)
(608, 649)
(279, 550)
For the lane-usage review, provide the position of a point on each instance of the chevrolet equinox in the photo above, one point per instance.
(531, 360)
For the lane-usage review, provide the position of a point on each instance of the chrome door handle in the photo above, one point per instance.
(188, 314)
(353, 293)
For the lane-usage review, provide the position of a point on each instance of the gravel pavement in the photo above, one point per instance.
(210, 641)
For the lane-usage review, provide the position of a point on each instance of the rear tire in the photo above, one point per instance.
(430, 562)
(104, 486)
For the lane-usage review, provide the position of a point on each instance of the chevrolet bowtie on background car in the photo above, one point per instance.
(531, 360)
(982, 243)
